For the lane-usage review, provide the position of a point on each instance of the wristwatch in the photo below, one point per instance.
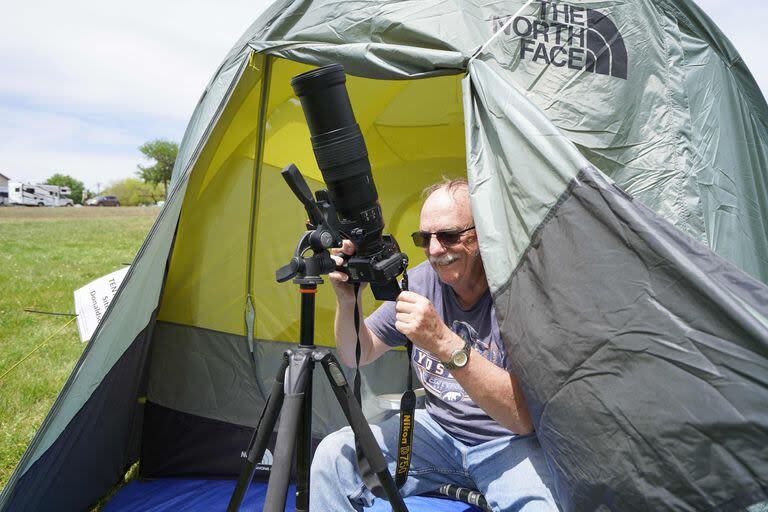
(459, 358)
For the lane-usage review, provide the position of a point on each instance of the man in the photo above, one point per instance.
(476, 431)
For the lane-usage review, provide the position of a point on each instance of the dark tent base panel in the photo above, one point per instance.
(188, 495)
(181, 470)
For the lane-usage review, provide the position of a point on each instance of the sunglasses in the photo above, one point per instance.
(445, 238)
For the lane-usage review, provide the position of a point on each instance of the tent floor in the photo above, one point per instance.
(182, 495)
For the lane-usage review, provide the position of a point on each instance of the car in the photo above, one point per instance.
(103, 201)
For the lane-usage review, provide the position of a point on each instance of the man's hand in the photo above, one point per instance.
(417, 318)
(345, 292)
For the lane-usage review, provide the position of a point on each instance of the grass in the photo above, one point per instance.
(45, 254)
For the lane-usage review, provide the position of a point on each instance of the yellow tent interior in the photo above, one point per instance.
(240, 222)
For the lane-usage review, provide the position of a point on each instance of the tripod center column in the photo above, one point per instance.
(307, 335)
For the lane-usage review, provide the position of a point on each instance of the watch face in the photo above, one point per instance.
(460, 359)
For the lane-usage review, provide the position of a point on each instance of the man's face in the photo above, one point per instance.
(450, 211)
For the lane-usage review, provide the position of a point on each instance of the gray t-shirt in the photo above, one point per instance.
(446, 401)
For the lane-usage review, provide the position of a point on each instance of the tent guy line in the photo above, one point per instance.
(41, 345)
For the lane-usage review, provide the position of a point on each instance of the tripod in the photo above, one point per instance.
(292, 393)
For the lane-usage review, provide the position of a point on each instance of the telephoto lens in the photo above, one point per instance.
(341, 155)
(343, 160)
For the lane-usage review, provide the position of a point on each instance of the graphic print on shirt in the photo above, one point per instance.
(437, 379)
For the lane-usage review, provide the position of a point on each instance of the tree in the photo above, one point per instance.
(164, 153)
(64, 180)
(134, 192)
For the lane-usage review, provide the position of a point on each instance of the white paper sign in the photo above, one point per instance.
(92, 300)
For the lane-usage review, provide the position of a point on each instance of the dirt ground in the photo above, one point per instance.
(86, 212)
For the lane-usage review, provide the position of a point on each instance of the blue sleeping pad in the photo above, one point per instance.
(189, 495)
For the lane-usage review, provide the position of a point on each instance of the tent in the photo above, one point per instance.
(617, 154)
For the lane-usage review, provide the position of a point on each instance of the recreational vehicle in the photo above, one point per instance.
(38, 195)
(3, 189)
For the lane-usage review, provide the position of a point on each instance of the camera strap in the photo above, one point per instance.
(366, 473)
(407, 411)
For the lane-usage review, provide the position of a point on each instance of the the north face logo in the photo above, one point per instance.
(561, 35)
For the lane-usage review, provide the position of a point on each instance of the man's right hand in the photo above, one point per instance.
(345, 292)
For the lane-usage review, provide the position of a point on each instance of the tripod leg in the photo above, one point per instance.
(362, 430)
(296, 379)
(304, 447)
(260, 437)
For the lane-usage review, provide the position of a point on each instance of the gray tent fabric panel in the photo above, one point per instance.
(388, 40)
(94, 450)
(388, 62)
(693, 19)
(729, 140)
(214, 377)
(387, 21)
(506, 132)
(633, 122)
(732, 178)
(646, 375)
(212, 374)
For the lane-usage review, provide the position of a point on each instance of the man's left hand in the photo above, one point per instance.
(417, 318)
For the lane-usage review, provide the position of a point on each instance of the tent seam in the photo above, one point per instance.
(536, 235)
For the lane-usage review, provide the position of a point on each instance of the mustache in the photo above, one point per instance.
(445, 259)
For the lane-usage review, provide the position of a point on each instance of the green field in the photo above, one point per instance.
(47, 253)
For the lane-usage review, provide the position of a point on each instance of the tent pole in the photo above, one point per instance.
(250, 311)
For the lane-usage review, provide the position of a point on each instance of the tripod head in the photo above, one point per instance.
(380, 268)
(320, 236)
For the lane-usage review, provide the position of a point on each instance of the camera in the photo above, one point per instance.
(350, 206)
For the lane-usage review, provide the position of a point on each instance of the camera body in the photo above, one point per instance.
(381, 270)
(349, 208)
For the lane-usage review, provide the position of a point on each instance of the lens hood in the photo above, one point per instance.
(318, 79)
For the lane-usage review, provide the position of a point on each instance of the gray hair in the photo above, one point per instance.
(451, 184)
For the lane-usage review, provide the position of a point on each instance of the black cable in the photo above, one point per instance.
(48, 312)
(358, 349)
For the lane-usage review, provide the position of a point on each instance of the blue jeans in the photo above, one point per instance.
(510, 471)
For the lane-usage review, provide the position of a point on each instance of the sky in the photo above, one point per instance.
(84, 83)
